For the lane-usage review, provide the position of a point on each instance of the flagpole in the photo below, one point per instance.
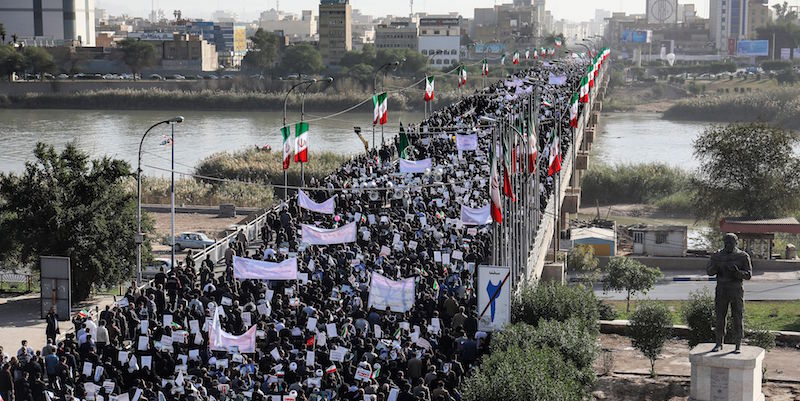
(172, 196)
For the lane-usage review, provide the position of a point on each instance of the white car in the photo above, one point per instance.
(151, 269)
(192, 240)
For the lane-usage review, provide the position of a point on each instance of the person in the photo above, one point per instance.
(731, 266)
(52, 330)
(25, 353)
(6, 383)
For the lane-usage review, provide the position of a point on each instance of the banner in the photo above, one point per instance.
(556, 79)
(307, 203)
(397, 295)
(419, 166)
(494, 297)
(321, 236)
(467, 142)
(476, 217)
(752, 48)
(244, 268)
(219, 340)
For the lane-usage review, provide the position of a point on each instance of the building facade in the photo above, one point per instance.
(440, 40)
(397, 35)
(728, 23)
(335, 30)
(302, 29)
(189, 52)
(50, 22)
(759, 16)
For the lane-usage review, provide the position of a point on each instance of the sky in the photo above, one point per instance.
(573, 10)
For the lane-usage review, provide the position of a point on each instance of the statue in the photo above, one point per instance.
(731, 266)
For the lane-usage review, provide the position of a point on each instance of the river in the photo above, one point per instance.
(622, 137)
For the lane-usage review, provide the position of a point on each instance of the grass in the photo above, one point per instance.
(780, 107)
(156, 190)
(774, 315)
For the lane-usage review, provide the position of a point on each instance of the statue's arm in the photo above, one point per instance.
(746, 271)
(711, 268)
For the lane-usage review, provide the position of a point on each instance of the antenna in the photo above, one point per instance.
(411, 6)
(278, 5)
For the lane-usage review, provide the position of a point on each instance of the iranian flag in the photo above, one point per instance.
(558, 42)
(381, 109)
(515, 60)
(584, 90)
(286, 132)
(503, 59)
(535, 54)
(590, 75)
(331, 369)
(301, 142)
(555, 156)
(485, 68)
(494, 191)
(508, 191)
(527, 54)
(462, 75)
(573, 111)
(428, 89)
(533, 142)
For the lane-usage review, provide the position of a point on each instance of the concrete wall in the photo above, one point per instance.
(674, 246)
(694, 264)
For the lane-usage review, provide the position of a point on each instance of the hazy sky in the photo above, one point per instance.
(574, 10)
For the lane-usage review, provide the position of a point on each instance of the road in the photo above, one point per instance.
(773, 290)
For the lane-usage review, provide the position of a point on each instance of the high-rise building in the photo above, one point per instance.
(440, 39)
(662, 11)
(335, 30)
(399, 34)
(50, 21)
(728, 21)
(758, 16)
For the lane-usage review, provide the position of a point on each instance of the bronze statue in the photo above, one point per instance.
(731, 266)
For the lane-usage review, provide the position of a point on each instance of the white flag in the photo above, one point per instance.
(476, 217)
(467, 142)
(219, 340)
(320, 236)
(244, 268)
(307, 203)
(419, 166)
(398, 295)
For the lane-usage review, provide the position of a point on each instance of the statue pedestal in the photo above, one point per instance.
(725, 376)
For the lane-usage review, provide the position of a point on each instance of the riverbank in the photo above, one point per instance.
(780, 107)
(212, 100)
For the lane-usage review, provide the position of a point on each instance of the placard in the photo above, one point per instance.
(167, 320)
(337, 355)
(194, 326)
(147, 361)
(142, 344)
(311, 324)
(331, 330)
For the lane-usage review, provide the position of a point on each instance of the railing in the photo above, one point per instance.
(251, 232)
(14, 282)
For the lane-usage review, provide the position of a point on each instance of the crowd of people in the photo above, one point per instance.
(317, 337)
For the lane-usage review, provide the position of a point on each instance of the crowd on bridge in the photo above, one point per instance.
(196, 334)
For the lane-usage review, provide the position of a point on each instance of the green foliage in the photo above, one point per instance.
(629, 275)
(747, 170)
(676, 204)
(759, 336)
(264, 53)
(606, 310)
(196, 192)
(650, 328)
(581, 259)
(39, 60)
(776, 65)
(361, 73)
(137, 54)
(550, 301)
(781, 107)
(787, 76)
(301, 59)
(67, 205)
(698, 313)
(11, 61)
(632, 183)
(717, 68)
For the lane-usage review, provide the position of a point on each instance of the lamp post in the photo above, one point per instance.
(285, 100)
(139, 238)
(329, 80)
(394, 64)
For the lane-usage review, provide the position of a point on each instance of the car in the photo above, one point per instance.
(177, 77)
(192, 240)
(149, 270)
(227, 77)
(62, 76)
(211, 77)
(156, 77)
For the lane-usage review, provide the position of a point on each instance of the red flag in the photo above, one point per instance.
(310, 342)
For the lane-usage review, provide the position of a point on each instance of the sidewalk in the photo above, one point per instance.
(20, 319)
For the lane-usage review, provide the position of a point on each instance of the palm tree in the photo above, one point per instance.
(2, 34)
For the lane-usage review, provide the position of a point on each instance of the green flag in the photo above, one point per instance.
(403, 143)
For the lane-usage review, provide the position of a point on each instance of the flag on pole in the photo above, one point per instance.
(165, 140)
(508, 191)
(428, 89)
(584, 90)
(527, 54)
(558, 42)
(485, 69)
(533, 145)
(494, 189)
(554, 165)
(286, 132)
(301, 142)
(573, 111)
(331, 369)
(402, 144)
(462, 75)
(515, 60)
(381, 109)
(535, 54)
(503, 59)
(590, 75)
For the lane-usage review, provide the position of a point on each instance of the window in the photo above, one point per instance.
(638, 237)
(661, 237)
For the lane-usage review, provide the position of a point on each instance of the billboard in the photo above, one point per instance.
(752, 48)
(785, 53)
(55, 281)
(494, 297)
(636, 36)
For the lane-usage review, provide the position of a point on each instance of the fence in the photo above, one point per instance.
(18, 282)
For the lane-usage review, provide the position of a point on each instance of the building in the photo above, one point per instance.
(659, 240)
(756, 237)
(335, 30)
(662, 12)
(296, 29)
(728, 23)
(189, 52)
(440, 39)
(758, 16)
(51, 22)
(397, 35)
(686, 13)
(602, 240)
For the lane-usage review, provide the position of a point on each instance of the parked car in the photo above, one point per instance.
(149, 270)
(62, 76)
(212, 77)
(192, 240)
(177, 77)
(156, 77)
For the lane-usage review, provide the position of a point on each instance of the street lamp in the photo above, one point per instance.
(139, 238)
(329, 80)
(393, 64)
(285, 100)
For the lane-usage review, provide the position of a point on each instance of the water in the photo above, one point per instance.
(117, 134)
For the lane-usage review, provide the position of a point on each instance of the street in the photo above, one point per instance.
(762, 290)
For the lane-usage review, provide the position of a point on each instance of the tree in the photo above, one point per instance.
(631, 276)
(650, 328)
(264, 53)
(747, 170)
(301, 59)
(2, 34)
(581, 259)
(39, 60)
(11, 61)
(67, 205)
(137, 54)
(782, 12)
(362, 73)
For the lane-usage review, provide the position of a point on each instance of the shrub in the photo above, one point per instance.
(650, 327)
(632, 183)
(678, 203)
(549, 301)
(631, 276)
(581, 259)
(606, 310)
(776, 65)
(698, 313)
(787, 76)
(759, 336)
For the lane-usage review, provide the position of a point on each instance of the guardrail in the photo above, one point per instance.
(251, 232)
(13, 282)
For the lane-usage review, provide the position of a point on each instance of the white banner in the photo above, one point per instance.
(244, 268)
(476, 217)
(419, 166)
(494, 297)
(467, 142)
(307, 203)
(320, 236)
(219, 340)
(398, 295)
